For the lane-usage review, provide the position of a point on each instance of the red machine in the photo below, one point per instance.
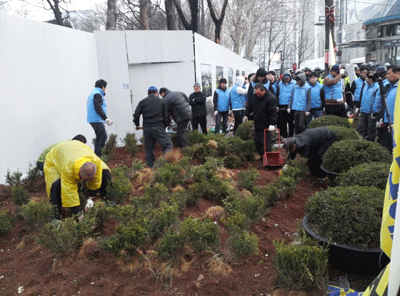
(272, 159)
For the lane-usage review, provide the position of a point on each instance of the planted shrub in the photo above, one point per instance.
(245, 131)
(301, 266)
(347, 215)
(232, 161)
(170, 174)
(270, 193)
(109, 149)
(170, 244)
(200, 235)
(63, 237)
(373, 174)
(343, 155)
(13, 179)
(344, 133)
(162, 217)
(253, 206)
(237, 221)
(247, 179)
(328, 120)
(131, 143)
(38, 212)
(194, 137)
(33, 173)
(20, 195)
(120, 186)
(242, 244)
(5, 222)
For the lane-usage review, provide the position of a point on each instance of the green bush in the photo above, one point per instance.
(344, 133)
(301, 266)
(245, 131)
(343, 155)
(194, 137)
(288, 185)
(120, 186)
(99, 213)
(247, 179)
(237, 221)
(373, 174)
(295, 168)
(200, 235)
(123, 213)
(242, 244)
(170, 244)
(13, 179)
(5, 222)
(131, 143)
(64, 237)
(232, 161)
(170, 174)
(20, 195)
(109, 149)
(153, 195)
(33, 173)
(347, 215)
(137, 165)
(162, 217)
(127, 237)
(328, 120)
(38, 212)
(253, 206)
(270, 193)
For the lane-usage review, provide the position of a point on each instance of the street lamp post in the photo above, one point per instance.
(329, 25)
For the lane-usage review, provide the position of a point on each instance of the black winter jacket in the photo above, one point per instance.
(178, 105)
(154, 111)
(198, 103)
(264, 110)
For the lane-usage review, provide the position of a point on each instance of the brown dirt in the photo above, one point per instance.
(25, 264)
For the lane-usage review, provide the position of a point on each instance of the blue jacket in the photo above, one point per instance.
(371, 98)
(301, 98)
(385, 82)
(221, 100)
(334, 91)
(316, 100)
(359, 83)
(273, 87)
(237, 100)
(92, 115)
(285, 93)
(390, 100)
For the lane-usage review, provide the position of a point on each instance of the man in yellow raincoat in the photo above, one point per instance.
(66, 165)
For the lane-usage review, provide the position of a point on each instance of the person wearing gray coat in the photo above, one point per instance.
(179, 108)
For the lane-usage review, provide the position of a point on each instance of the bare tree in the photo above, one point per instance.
(170, 14)
(144, 14)
(57, 9)
(194, 11)
(111, 23)
(217, 20)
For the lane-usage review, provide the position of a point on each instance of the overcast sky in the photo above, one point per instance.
(41, 14)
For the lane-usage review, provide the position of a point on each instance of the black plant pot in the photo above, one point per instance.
(331, 175)
(350, 259)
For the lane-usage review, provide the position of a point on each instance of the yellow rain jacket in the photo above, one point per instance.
(64, 161)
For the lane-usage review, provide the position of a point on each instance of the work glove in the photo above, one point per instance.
(271, 128)
(230, 112)
(379, 123)
(245, 119)
(342, 71)
(357, 110)
(345, 105)
(109, 122)
(215, 113)
(288, 111)
(307, 113)
(89, 204)
(339, 100)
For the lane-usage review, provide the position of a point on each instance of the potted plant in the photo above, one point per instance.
(349, 220)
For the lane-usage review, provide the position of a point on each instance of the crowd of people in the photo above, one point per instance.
(288, 103)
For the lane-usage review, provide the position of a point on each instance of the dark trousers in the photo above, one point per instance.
(181, 134)
(238, 114)
(224, 116)
(338, 110)
(101, 137)
(315, 158)
(314, 114)
(299, 121)
(259, 141)
(203, 124)
(366, 126)
(153, 135)
(284, 120)
(385, 137)
(55, 199)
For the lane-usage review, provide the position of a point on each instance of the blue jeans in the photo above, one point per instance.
(224, 116)
(101, 137)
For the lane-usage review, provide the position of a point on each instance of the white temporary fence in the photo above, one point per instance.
(48, 71)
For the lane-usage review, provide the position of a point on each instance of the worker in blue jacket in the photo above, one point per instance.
(300, 103)
(317, 98)
(237, 98)
(370, 105)
(284, 95)
(221, 105)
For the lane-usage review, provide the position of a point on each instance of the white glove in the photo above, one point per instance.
(271, 128)
(379, 123)
(323, 110)
(288, 111)
(89, 204)
(109, 122)
(342, 71)
(215, 113)
(339, 100)
(245, 119)
(345, 105)
(307, 113)
(357, 110)
(230, 112)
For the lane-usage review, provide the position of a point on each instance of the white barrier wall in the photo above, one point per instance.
(46, 74)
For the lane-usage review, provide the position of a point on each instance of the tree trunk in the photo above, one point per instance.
(194, 11)
(170, 12)
(57, 12)
(111, 23)
(144, 15)
(218, 27)
(217, 21)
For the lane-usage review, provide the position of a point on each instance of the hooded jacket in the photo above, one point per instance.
(370, 98)
(198, 102)
(64, 161)
(221, 99)
(238, 94)
(301, 100)
(264, 110)
(285, 90)
(178, 106)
